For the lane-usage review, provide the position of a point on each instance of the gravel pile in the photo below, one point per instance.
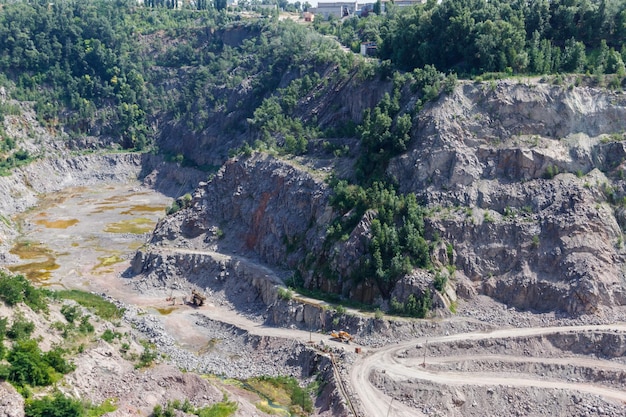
(231, 352)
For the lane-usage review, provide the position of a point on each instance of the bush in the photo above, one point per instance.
(28, 365)
(16, 289)
(285, 294)
(109, 335)
(57, 406)
(440, 281)
(147, 356)
(21, 328)
(414, 306)
(85, 326)
(70, 312)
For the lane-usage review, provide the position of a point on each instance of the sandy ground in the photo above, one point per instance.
(83, 237)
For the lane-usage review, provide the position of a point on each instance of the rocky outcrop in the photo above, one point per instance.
(524, 170)
(260, 206)
(11, 402)
(525, 185)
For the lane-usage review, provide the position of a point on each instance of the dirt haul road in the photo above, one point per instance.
(389, 361)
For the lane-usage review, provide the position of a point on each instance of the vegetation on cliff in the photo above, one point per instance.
(196, 83)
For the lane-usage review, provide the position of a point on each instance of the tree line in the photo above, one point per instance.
(471, 37)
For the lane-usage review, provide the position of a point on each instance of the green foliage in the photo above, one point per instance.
(3, 328)
(146, 358)
(381, 137)
(85, 326)
(87, 56)
(479, 36)
(95, 303)
(414, 306)
(20, 328)
(179, 204)
(300, 398)
(16, 159)
(285, 133)
(551, 172)
(70, 312)
(397, 244)
(108, 406)
(222, 409)
(56, 406)
(109, 335)
(16, 289)
(440, 281)
(285, 294)
(28, 365)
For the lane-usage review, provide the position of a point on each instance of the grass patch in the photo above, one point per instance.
(108, 406)
(285, 391)
(136, 226)
(98, 305)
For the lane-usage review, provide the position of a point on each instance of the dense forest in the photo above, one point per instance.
(471, 37)
(147, 77)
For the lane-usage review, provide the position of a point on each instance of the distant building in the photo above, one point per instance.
(368, 48)
(403, 3)
(337, 9)
(308, 16)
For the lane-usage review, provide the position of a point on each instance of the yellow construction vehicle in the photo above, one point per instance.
(341, 336)
(197, 299)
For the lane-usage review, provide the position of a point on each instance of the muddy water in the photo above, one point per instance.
(85, 237)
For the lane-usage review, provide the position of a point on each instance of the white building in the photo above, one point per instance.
(340, 9)
(337, 9)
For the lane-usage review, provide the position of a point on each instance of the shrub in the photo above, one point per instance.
(70, 312)
(57, 406)
(414, 306)
(21, 328)
(85, 326)
(285, 294)
(109, 335)
(440, 281)
(147, 356)
(28, 365)
(15, 289)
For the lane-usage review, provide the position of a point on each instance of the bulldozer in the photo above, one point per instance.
(197, 298)
(341, 336)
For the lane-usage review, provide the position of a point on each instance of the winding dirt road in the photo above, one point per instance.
(377, 403)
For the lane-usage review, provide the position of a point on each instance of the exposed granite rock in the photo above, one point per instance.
(11, 402)
(522, 232)
(524, 180)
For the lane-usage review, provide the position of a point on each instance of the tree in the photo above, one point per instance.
(220, 4)
(378, 7)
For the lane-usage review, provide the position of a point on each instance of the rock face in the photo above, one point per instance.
(11, 402)
(525, 185)
(271, 208)
(530, 176)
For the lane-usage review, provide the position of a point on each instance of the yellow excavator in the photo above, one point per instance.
(197, 298)
(341, 336)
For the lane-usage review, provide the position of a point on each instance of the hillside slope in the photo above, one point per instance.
(522, 180)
